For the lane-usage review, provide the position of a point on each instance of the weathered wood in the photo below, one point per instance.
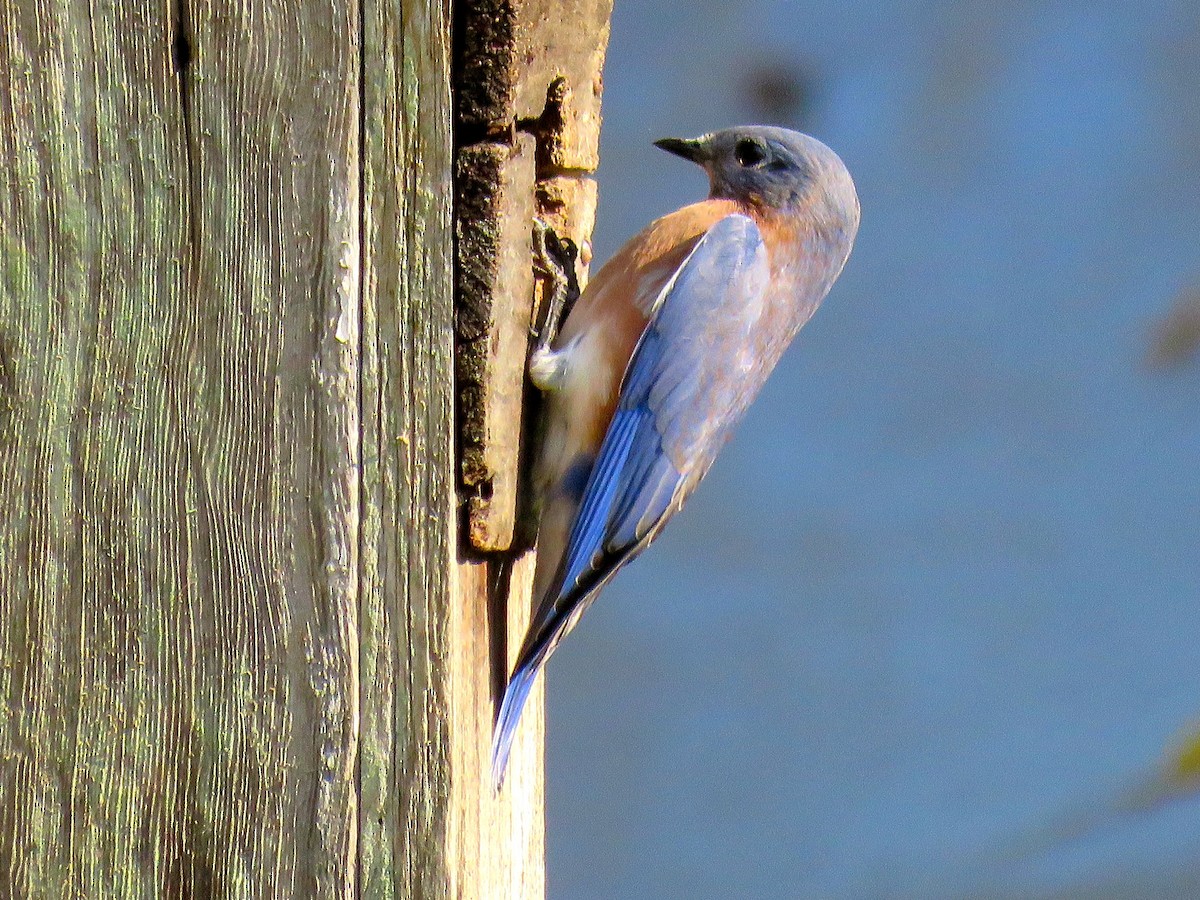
(528, 93)
(495, 212)
(408, 584)
(178, 479)
(528, 79)
(242, 650)
(520, 57)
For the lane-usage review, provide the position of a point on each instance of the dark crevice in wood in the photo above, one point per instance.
(8, 390)
(462, 134)
(181, 47)
(483, 490)
(181, 58)
(483, 33)
(480, 30)
(499, 589)
(528, 511)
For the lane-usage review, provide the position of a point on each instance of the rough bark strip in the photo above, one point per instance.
(494, 192)
(511, 51)
(527, 74)
(178, 497)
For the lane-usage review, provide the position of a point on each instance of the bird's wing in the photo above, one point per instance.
(687, 384)
(692, 375)
(684, 389)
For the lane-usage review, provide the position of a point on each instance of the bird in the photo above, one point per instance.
(658, 359)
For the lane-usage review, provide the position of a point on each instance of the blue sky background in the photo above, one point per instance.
(941, 592)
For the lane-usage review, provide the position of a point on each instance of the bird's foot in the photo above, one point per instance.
(554, 259)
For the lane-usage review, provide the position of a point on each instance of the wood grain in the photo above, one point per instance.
(179, 513)
(241, 654)
(409, 531)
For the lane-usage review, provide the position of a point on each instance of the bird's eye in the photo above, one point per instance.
(748, 153)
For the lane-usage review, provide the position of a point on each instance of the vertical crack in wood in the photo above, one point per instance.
(181, 62)
(8, 391)
(484, 35)
(363, 487)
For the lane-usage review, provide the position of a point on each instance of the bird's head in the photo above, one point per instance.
(774, 170)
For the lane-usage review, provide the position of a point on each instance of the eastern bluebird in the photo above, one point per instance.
(659, 359)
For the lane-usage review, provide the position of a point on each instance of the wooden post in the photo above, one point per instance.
(244, 617)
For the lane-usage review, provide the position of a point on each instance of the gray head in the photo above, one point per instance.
(774, 169)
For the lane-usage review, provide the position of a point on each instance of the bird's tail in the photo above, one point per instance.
(515, 696)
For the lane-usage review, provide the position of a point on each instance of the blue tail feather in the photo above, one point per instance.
(515, 696)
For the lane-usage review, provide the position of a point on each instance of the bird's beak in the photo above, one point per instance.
(695, 150)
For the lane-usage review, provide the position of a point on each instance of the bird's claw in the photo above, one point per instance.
(554, 259)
